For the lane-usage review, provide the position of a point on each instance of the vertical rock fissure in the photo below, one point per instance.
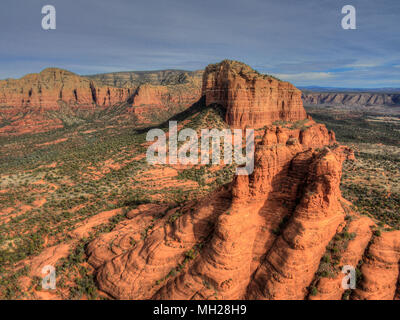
(94, 93)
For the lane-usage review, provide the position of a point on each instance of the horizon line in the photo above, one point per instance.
(303, 87)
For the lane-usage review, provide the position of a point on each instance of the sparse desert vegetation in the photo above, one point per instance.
(53, 183)
(83, 192)
(372, 182)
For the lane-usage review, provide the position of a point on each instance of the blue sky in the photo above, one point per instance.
(299, 41)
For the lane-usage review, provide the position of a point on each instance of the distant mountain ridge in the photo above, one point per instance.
(350, 99)
(340, 89)
(311, 95)
(129, 79)
(54, 98)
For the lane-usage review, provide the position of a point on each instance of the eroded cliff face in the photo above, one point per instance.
(251, 98)
(160, 102)
(380, 271)
(38, 102)
(263, 236)
(45, 89)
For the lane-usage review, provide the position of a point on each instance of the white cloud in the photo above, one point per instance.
(363, 65)
(305, 76)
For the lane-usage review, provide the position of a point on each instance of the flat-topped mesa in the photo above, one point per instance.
(37, 102)
(47, 88)
(250, 98)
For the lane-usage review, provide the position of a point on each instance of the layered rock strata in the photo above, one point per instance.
(249, 97)
(45, 89)
(369, 99)
(40, 102)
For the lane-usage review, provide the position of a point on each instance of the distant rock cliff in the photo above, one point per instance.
(135, 78)
(351, 98)
(45, 89)
(150, 103)
(36, 102)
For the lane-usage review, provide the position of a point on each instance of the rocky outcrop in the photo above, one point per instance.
(330, 288)
(251, 99)
(221, 246)
(380, 270)
(262, 237)
(351, 99)
(289, 266)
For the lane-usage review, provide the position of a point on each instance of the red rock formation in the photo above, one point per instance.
(236, 232)
(149, 95)
(290, 265)
(156, 101)
(25, 103)
(251, 99)
(45, 89)
(380, 270)
(330, 288)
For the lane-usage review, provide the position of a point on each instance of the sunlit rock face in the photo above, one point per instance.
(250, 98)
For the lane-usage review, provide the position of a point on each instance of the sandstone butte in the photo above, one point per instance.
(28, 104)
(262, 236)
(251, 99)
